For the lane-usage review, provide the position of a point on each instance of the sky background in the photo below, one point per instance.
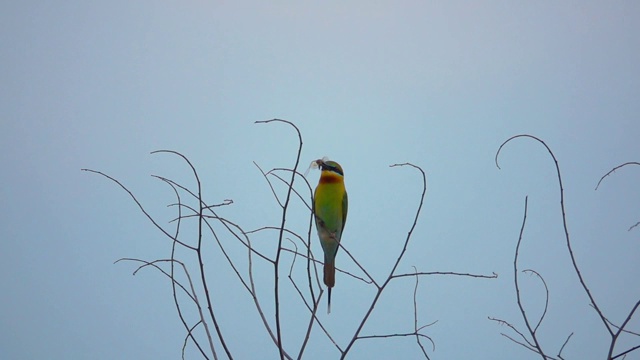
(369, 83)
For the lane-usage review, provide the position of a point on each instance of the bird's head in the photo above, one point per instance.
(330, 166)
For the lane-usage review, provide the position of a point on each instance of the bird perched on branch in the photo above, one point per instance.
(330, 208)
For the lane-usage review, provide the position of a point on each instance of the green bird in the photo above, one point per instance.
(330, 208)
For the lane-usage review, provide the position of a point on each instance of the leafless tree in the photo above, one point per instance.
(528, 338)
(187, 277)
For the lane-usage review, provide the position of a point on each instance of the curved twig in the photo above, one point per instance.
(564, 224)
(141, 207)
(563, 345)
(192, 294)
(389, 277)
(512, 327)
(532, 332)
(416, 329)
(272, 173)
(614, 169)
(190, 336)
(620, 331)
(273, 191)
(281, 235)
(546, 301)
(199, 250)
(448, 273)
(610, 172)
(175, 295)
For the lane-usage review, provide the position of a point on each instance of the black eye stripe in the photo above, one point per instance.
(332, 168)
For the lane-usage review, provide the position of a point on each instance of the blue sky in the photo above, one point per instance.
(369, 84)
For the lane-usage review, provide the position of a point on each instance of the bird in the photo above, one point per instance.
(330, 210)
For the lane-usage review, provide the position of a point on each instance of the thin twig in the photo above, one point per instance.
(614, 169)
(281, 235)
(415, 318)
(532, 332)
(564, 224)
(448, 273)
(624, 353)
(384, 336)
(173, 290)
(371, 279)
(618, 327)
(512, 327)
(190, 336)
(546, 301)
(192, 294)
(272, 173)
(563, 345)
(140, 206)
(526, 346)
(273, 191)
(256, 301)
(313, 310)
(199, 251)
(620, 330)
(402, 252)
(217, 239)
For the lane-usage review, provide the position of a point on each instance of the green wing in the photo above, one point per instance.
(345, 207)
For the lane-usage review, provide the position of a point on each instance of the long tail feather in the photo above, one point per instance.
(329, 280)
(329, 274)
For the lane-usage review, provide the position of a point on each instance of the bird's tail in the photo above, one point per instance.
(329, 279)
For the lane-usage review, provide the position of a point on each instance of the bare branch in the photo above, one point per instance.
(175, 295)
(563, 345)
(526, 346)
(315, 305)
(608, 325)
(314, 310)
(416, 329)
(546, 302)
(190, 336)
(141, 207)
(618, 327)
(564, 224)
(620, 330)
(204, 213)
(273, 191)
(532, 332)
(154, 264)
(533, 345)
(192, 294)
(389, 277)
(512, 327)
(272, 173)
(280, 236)
(371, 279)
(415, 219)
(614, 169)
(427, 273)
(199, 248)
(624, 353)
(384, 336)
(256, 301)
